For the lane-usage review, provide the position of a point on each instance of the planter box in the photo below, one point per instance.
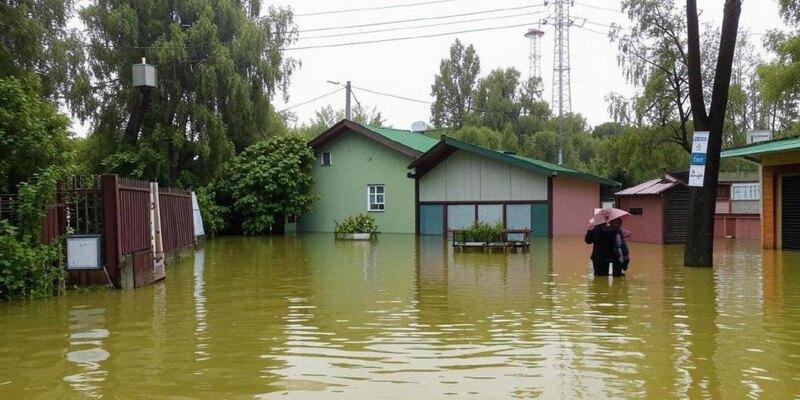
(354, 236)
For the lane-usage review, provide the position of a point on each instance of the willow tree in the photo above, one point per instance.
(453, 85)
(699, 251)
(219, 65)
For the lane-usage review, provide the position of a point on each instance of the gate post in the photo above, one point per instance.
(111, 229)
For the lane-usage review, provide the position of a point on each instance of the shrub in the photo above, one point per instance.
(28, 269)
(481, 231)
(360, 223)
(214, 215)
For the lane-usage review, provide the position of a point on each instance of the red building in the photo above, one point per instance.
(660, 208)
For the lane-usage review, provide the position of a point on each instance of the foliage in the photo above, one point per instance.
(495, 98)
(219, 65)
(453, 86)
(361, 223)
(28, 269)
(33, 134)
(36, 42)
(215, 216)
(268, 180)
(481, 231)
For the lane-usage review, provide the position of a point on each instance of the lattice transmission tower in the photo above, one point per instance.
(535, 56)
(562, 92)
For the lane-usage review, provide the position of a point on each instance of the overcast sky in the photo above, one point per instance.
(407, 68)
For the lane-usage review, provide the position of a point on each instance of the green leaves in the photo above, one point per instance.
(28, 269)
(361, 223)
(452, 87)
(269, 180)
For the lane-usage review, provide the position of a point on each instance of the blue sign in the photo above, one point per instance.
(698, 159)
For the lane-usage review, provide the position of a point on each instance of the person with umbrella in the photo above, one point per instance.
(605, 239)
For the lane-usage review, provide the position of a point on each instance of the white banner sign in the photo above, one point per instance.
(700, 142)
(697, 174)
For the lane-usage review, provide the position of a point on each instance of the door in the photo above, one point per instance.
(540, 220)
(431, 219)
(790, 212)
(518, 216)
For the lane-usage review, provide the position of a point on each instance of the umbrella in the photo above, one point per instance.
(602, 216)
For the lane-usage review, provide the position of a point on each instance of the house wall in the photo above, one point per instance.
(342, 187)
(738, 226)
(573, 204)
(648, 227)
(470, 177)
(773, 166)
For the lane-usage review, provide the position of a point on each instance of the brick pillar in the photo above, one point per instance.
(768, 187)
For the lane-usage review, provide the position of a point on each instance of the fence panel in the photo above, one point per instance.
(134, 215)
(177, 224)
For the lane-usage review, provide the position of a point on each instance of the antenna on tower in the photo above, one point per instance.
(535, 56)
(562, 98)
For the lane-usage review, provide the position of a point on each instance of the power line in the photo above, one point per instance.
(374, 8)
(420, 19)
(422, 26)
(311, 101)
(405, 37)
(588, 21)
(592, 30)
(598, 7)
(393, 95)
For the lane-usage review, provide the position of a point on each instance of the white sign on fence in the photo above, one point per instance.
(83, 252)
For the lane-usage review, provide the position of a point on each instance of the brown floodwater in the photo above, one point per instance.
(403, 317)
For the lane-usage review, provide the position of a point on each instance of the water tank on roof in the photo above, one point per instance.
(419, 126)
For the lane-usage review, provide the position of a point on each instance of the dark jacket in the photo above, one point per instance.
(603, 239)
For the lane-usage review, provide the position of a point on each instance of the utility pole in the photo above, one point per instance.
(562, 98)
(347, 112)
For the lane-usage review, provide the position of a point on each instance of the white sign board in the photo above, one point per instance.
(697, 174)
(697, 169)
(83, 252)
(758, 136)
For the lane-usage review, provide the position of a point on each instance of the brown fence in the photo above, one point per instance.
(177, 226)
(118, 209)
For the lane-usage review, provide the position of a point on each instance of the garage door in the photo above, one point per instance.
(431, 219)
(790, 212)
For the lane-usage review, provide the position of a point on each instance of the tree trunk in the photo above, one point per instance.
(699, 250)
(139, 108)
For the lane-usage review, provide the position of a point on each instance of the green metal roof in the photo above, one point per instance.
(540, 166)
(415, 140)
(752, 151)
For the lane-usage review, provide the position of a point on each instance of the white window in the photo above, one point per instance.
(745, 191)
(376, 200)
(325, 158)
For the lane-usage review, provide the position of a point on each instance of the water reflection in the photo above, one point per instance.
(405, 317)
(87, 332)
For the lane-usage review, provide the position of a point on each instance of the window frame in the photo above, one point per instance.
(752, 189)
(322, 159)
(382, 193)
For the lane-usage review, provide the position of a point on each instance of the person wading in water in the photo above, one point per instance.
(604, 239)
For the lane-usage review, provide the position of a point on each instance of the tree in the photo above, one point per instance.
(219, 65)
(780, 79)
(495, 98)
(699, 249)
(267, 181)
(453, 86)
(35, 41)
(33, 134)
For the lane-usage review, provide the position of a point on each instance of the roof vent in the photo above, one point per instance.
(511, 153)
(419, 126)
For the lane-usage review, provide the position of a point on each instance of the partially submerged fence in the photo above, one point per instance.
(119, 210)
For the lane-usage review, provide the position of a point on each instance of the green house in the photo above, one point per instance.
(363, 169)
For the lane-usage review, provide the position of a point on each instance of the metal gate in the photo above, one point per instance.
(790, 212)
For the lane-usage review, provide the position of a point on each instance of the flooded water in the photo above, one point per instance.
(308, 317)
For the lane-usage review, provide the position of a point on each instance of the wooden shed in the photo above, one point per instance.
(659, 210)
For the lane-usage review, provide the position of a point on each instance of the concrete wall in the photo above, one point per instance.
(342, 187)
(648, 227)
(574, 201)
(466, 176)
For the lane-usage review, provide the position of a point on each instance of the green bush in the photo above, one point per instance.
(360, 223)
(481, 231)
(215, 216)
(28, 269)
